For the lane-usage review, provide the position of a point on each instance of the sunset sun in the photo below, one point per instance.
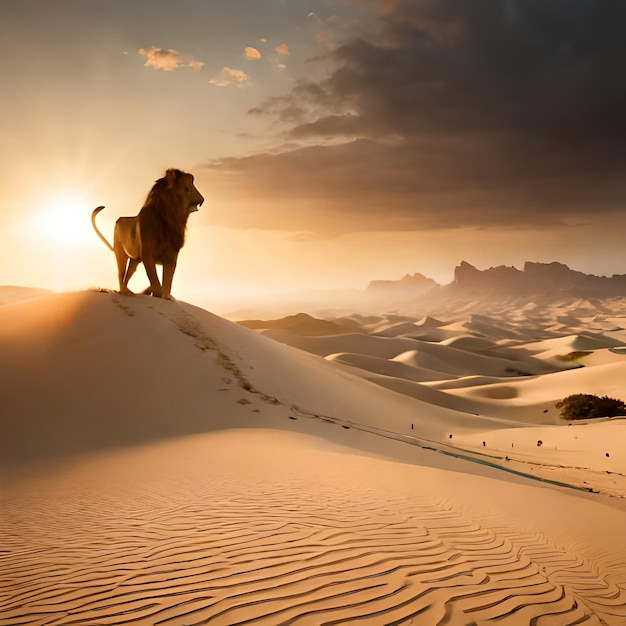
(64, 218)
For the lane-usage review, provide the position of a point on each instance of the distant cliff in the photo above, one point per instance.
(536, 279)
(409, 285)
(535, 282)
(299, 324)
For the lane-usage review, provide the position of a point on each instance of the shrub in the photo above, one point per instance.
(573, 356)
(582, 406)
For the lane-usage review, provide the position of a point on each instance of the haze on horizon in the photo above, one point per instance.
(335, 141)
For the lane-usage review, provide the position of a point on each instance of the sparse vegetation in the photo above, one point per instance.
(582, 406)
(515, 372)
(573, 356)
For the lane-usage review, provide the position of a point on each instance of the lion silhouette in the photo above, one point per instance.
(156, 234)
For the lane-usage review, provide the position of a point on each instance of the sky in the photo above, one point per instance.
(335, 141)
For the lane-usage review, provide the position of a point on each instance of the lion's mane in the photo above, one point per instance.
(168, 210)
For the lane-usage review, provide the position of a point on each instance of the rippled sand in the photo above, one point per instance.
(160, 465)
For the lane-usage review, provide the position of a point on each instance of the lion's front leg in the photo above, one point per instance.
(168, 276)
(155, 285)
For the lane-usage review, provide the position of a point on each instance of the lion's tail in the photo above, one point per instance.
(93, 223)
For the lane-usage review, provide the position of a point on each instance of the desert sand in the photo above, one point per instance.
(163, 465)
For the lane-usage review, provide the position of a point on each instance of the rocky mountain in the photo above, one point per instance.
(535, 282)
(299, 324)
(410, 285)
(535, 279)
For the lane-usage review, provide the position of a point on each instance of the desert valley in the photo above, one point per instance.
(163, 465)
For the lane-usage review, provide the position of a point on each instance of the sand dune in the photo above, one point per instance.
(480, 381)
(381, 347)
(161, 465)
(428, 355)
(388, 367)
(423, 333)
(396, 330)
(469, 343)
(9, 295)
(607, 379)
(460, 362)
(562, 346)
(429, 320)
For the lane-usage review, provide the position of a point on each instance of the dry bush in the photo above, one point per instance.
(582, 406)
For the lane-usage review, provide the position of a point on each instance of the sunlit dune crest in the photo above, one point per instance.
(162, 465)
(10, 295)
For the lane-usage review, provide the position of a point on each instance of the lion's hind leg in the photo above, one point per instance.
(125, 268)
(127, 248)
(131, 268)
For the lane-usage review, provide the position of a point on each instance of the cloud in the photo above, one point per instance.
(161, 58)
(167, 59)
(229, 76)
(387, 7)
(476, 114)
(252, 53)
(196, 65)
(282, 49)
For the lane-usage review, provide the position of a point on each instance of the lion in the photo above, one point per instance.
(156, 234)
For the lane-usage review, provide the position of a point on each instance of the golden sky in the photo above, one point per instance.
(335, 141)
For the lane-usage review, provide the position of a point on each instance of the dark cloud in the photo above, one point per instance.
(482, 112)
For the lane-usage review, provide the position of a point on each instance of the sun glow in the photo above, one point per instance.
(59, 247)
(65, 219)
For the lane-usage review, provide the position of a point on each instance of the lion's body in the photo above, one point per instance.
(157, 234)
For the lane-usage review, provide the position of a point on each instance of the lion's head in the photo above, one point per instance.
(181, 184)
(170, 201)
